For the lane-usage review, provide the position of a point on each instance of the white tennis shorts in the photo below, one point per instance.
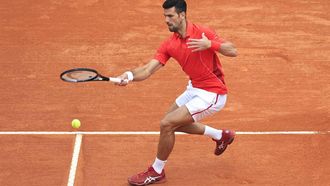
(201, 103)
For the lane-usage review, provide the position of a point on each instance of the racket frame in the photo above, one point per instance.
(98, 76)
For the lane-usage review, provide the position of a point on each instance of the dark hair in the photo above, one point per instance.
(180, 5)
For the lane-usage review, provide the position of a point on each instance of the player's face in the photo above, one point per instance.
(173, 19)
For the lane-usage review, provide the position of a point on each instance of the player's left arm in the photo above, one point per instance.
(227, 49)
(211, 40)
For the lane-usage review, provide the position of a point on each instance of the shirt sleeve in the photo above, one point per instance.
(162, 54)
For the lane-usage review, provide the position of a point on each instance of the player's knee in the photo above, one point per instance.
(166, 126)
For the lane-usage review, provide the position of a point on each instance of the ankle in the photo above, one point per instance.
(159, 165)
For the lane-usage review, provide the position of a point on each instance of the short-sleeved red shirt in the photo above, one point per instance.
(203, 68)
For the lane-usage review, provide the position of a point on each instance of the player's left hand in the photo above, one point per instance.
(199, 44)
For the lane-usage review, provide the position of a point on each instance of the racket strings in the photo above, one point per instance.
(76, 76)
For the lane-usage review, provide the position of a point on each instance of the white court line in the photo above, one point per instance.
(154, 133)
(74, 161)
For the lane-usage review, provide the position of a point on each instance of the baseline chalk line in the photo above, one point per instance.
(154, 133)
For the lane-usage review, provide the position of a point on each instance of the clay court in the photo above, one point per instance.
(279, 83)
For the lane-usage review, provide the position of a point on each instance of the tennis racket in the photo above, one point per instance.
(78, 75)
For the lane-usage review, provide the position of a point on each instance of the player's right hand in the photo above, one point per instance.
(124, 80)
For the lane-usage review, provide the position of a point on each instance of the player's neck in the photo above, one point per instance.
(183, 29)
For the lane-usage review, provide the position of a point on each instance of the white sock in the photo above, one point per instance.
(213, 133)
(158, 165)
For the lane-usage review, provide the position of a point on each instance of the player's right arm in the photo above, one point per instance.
(145, 71)
(140, 73)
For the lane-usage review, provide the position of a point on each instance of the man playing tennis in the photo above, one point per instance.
(194, 47)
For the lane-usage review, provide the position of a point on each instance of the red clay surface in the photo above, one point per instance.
(279, 82)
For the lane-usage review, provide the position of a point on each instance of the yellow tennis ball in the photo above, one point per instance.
(75, 123)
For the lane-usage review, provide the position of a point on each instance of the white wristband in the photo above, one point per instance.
(130, 76)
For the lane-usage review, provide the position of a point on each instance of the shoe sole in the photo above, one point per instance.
(157, 182)
(231, 140)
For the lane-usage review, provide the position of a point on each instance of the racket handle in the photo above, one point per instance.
(117, 80)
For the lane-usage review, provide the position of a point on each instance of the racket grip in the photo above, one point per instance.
(117, 80)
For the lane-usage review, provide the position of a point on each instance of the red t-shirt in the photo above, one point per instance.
(203, 68)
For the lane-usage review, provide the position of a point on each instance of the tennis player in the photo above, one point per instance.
(195, 48)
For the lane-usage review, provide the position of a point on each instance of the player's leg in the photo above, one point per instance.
(183, 116)
(201, 104)
(176, 118)
(201, 129)
(194, 128)
(168, 125)
(197, 127)
(200, 107)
